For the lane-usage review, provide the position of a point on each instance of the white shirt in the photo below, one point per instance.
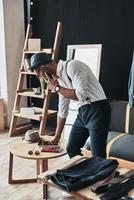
(82, 80)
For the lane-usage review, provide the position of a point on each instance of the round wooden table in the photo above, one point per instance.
(21, 150)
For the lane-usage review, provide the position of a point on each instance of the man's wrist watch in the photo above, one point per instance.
(57, 88)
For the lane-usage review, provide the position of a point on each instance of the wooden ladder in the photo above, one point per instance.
(44, 113)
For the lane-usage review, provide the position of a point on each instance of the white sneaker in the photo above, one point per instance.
(65, 194)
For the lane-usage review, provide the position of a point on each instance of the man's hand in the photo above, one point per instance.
(51, 82)
(54, 140)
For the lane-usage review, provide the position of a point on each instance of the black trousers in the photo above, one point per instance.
(92, 120)
(119, 190)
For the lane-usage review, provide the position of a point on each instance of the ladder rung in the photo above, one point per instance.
(49, 51)
(22, 128)
(51, 113)
(31, 94)
(37, 117)
(28, 72)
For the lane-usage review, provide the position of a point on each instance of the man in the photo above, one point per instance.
(73, 80)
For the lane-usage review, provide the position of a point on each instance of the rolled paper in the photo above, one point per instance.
(43, 86)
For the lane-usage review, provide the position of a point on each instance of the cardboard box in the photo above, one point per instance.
(27, 110)
(34, 44)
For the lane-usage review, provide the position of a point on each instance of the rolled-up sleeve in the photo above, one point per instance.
(79, 80)
(63, 106)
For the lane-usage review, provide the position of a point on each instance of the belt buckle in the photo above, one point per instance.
(88, 100)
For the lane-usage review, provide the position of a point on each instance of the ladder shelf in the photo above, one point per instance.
(41, 114)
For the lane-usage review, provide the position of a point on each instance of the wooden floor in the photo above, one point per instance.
(23, 169)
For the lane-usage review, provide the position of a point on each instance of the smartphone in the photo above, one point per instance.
(47, 72)
(48, 75)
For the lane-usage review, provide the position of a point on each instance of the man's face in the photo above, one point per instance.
(39, 71)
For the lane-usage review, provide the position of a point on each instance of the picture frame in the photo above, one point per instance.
(89, 54)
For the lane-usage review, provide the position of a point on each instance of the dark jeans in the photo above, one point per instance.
(92, 119)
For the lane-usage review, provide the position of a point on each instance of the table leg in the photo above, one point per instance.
(10, 174)
(38, 167)
(10, 168)
(44, 167)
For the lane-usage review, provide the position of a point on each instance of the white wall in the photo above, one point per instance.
(11, 42)
(3, 83)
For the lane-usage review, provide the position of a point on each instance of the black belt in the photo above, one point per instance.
(99, 102)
